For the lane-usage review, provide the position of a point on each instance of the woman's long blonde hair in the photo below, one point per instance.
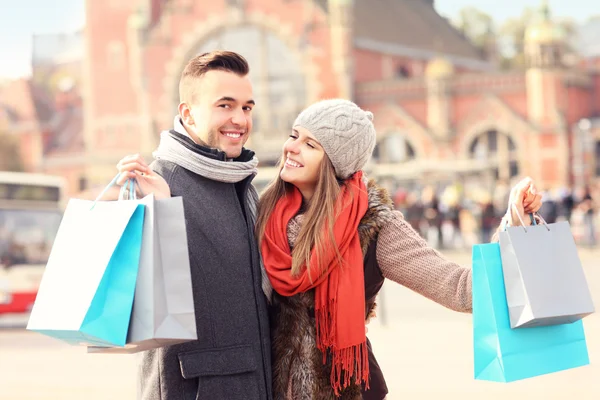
(319, 217)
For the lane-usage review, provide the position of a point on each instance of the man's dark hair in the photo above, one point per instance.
(227, 61)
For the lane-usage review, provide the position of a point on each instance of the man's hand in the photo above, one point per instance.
(134, 167)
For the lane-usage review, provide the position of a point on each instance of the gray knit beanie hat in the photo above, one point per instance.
(345, 131)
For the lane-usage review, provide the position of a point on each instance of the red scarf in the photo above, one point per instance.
(339, 290)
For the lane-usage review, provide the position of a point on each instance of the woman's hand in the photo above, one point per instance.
(134, 167)
(524, 200)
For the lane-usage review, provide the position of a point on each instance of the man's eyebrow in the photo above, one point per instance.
(231, 99)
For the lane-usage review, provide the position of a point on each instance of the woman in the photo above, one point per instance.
(329, 237)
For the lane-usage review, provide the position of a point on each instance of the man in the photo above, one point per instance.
(202, 159)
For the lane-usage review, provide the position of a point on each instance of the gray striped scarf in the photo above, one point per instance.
(169, 149)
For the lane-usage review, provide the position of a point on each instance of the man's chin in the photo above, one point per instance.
(233, 153)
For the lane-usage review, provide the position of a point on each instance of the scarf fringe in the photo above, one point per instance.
(348, 364)
(325, 328)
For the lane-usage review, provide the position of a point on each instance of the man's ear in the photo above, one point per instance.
(185, 114)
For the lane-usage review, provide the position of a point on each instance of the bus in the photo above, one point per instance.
(31, 207)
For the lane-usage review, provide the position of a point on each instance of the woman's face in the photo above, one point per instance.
(302, 155)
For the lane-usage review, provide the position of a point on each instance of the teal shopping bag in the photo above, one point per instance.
(86, 293)
(502, 354)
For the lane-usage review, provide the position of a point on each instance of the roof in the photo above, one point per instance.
(24, 101)
(412, 28)
(66, 132)
(27, 101)
(544, 29)
(412, 23)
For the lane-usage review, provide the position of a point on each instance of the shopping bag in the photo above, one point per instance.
(163, 308)
(503, 354)
(86, 292)
(544, 278)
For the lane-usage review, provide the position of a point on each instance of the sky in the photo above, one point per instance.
(500, 10)
(20, 19)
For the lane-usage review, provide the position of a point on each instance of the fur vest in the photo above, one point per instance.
(298, 369)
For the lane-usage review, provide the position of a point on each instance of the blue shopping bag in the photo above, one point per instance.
(86, 293)
(503, 354)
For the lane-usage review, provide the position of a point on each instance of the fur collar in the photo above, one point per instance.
(378, 214)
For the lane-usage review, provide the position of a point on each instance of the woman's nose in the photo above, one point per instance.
(291, 146)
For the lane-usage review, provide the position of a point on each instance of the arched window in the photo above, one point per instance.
(498, 148)
(394, 148)
(278, 82)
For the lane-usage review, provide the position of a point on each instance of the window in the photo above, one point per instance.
(402, 72)
(26, 236)
(24, 192)
(394, 148)
(278, 81)
(498, 147)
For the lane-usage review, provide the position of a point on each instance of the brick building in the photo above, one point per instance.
(442, 112)
(44, 114)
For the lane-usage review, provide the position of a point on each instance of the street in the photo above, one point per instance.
(424, 350)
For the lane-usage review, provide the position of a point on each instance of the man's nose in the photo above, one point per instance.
(239, 118)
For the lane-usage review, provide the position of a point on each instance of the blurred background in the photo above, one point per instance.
(469, 96)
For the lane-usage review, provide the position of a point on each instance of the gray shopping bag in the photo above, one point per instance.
(163, 308)
(543, 276)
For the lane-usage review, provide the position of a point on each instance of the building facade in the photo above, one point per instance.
(442, 112)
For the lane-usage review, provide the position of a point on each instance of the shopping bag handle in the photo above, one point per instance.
(131, 193)
(532, 216)
(111, 184)
(541, 218)
(131, 182)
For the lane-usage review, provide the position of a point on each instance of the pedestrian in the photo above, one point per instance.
(202, 159)
(329, 237)
(588, 206)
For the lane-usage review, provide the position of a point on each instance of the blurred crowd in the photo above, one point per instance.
(452, 217)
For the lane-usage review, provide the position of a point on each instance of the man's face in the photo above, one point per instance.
(220, 115)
